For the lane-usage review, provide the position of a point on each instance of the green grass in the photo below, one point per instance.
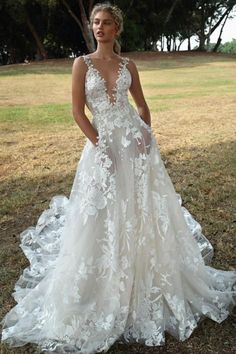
(37, 115)
(192, 99)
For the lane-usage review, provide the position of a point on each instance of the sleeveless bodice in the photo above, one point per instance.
(97, 97)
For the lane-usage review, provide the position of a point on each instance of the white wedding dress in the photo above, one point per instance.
(121, 259)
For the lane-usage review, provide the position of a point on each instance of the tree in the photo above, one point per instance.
(207, 17)
(228, 47)
(80, 13)
(23, 31)
(60, 28)
(14, 42)
(29, 13)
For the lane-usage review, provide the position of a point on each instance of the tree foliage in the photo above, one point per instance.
(39, 29)
(228, 47)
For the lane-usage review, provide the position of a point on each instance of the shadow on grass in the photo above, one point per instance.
(54, 66)
(205, 179)
(145, 60)
(178, 60)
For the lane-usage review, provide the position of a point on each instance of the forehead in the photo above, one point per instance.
(103, 15)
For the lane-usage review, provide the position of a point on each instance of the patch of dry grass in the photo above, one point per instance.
(192, 99)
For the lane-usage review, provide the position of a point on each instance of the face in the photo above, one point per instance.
(104, 27)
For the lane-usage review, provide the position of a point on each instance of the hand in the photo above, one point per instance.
(96, 141)
(146, 141)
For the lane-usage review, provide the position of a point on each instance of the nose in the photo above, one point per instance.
(100, 25)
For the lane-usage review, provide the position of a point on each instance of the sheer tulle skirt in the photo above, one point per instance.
(120, 260)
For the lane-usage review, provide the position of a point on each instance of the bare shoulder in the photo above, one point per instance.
(131, 64)
(132, 67)
(79, 65)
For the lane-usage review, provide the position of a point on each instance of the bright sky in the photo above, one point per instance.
(229, 32)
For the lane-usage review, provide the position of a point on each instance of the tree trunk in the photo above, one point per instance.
(171, 10)
(82, 25)
(174, 44)
(168, 43)
(208, 37)
(225, 14)
(219, 38)
(162, 43)
(87, 33)
(40, 47)
(202, 39)
(189, 43)
(217, 44)
(180, 43)
(90, 6)
(201, 34)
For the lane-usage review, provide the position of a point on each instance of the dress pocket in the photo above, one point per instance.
(144, 123)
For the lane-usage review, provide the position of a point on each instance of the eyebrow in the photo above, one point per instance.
(105, 19)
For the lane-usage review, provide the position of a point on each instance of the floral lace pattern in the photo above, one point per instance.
(121, 259)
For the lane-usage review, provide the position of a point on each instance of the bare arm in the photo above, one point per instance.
(137, 94)
(78, 100)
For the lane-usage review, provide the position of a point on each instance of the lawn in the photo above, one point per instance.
(192, 99)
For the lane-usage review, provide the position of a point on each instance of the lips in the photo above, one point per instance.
(100, 33)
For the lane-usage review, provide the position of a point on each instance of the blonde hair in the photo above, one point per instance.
(117, 15)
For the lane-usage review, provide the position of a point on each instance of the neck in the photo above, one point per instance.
(105, 50)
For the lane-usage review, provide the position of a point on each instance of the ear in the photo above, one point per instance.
(116, 32)
(117, 29)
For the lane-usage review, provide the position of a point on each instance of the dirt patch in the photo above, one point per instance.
(197, 143)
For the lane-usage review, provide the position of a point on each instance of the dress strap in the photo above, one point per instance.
(125, 61)
(87, 61)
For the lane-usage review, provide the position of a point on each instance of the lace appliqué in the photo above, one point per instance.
(122, 260)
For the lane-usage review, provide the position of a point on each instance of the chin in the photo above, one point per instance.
(104, 39)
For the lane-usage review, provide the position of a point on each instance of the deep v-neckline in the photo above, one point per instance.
(111, 99)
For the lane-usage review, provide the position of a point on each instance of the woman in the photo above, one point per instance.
(125, 262)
